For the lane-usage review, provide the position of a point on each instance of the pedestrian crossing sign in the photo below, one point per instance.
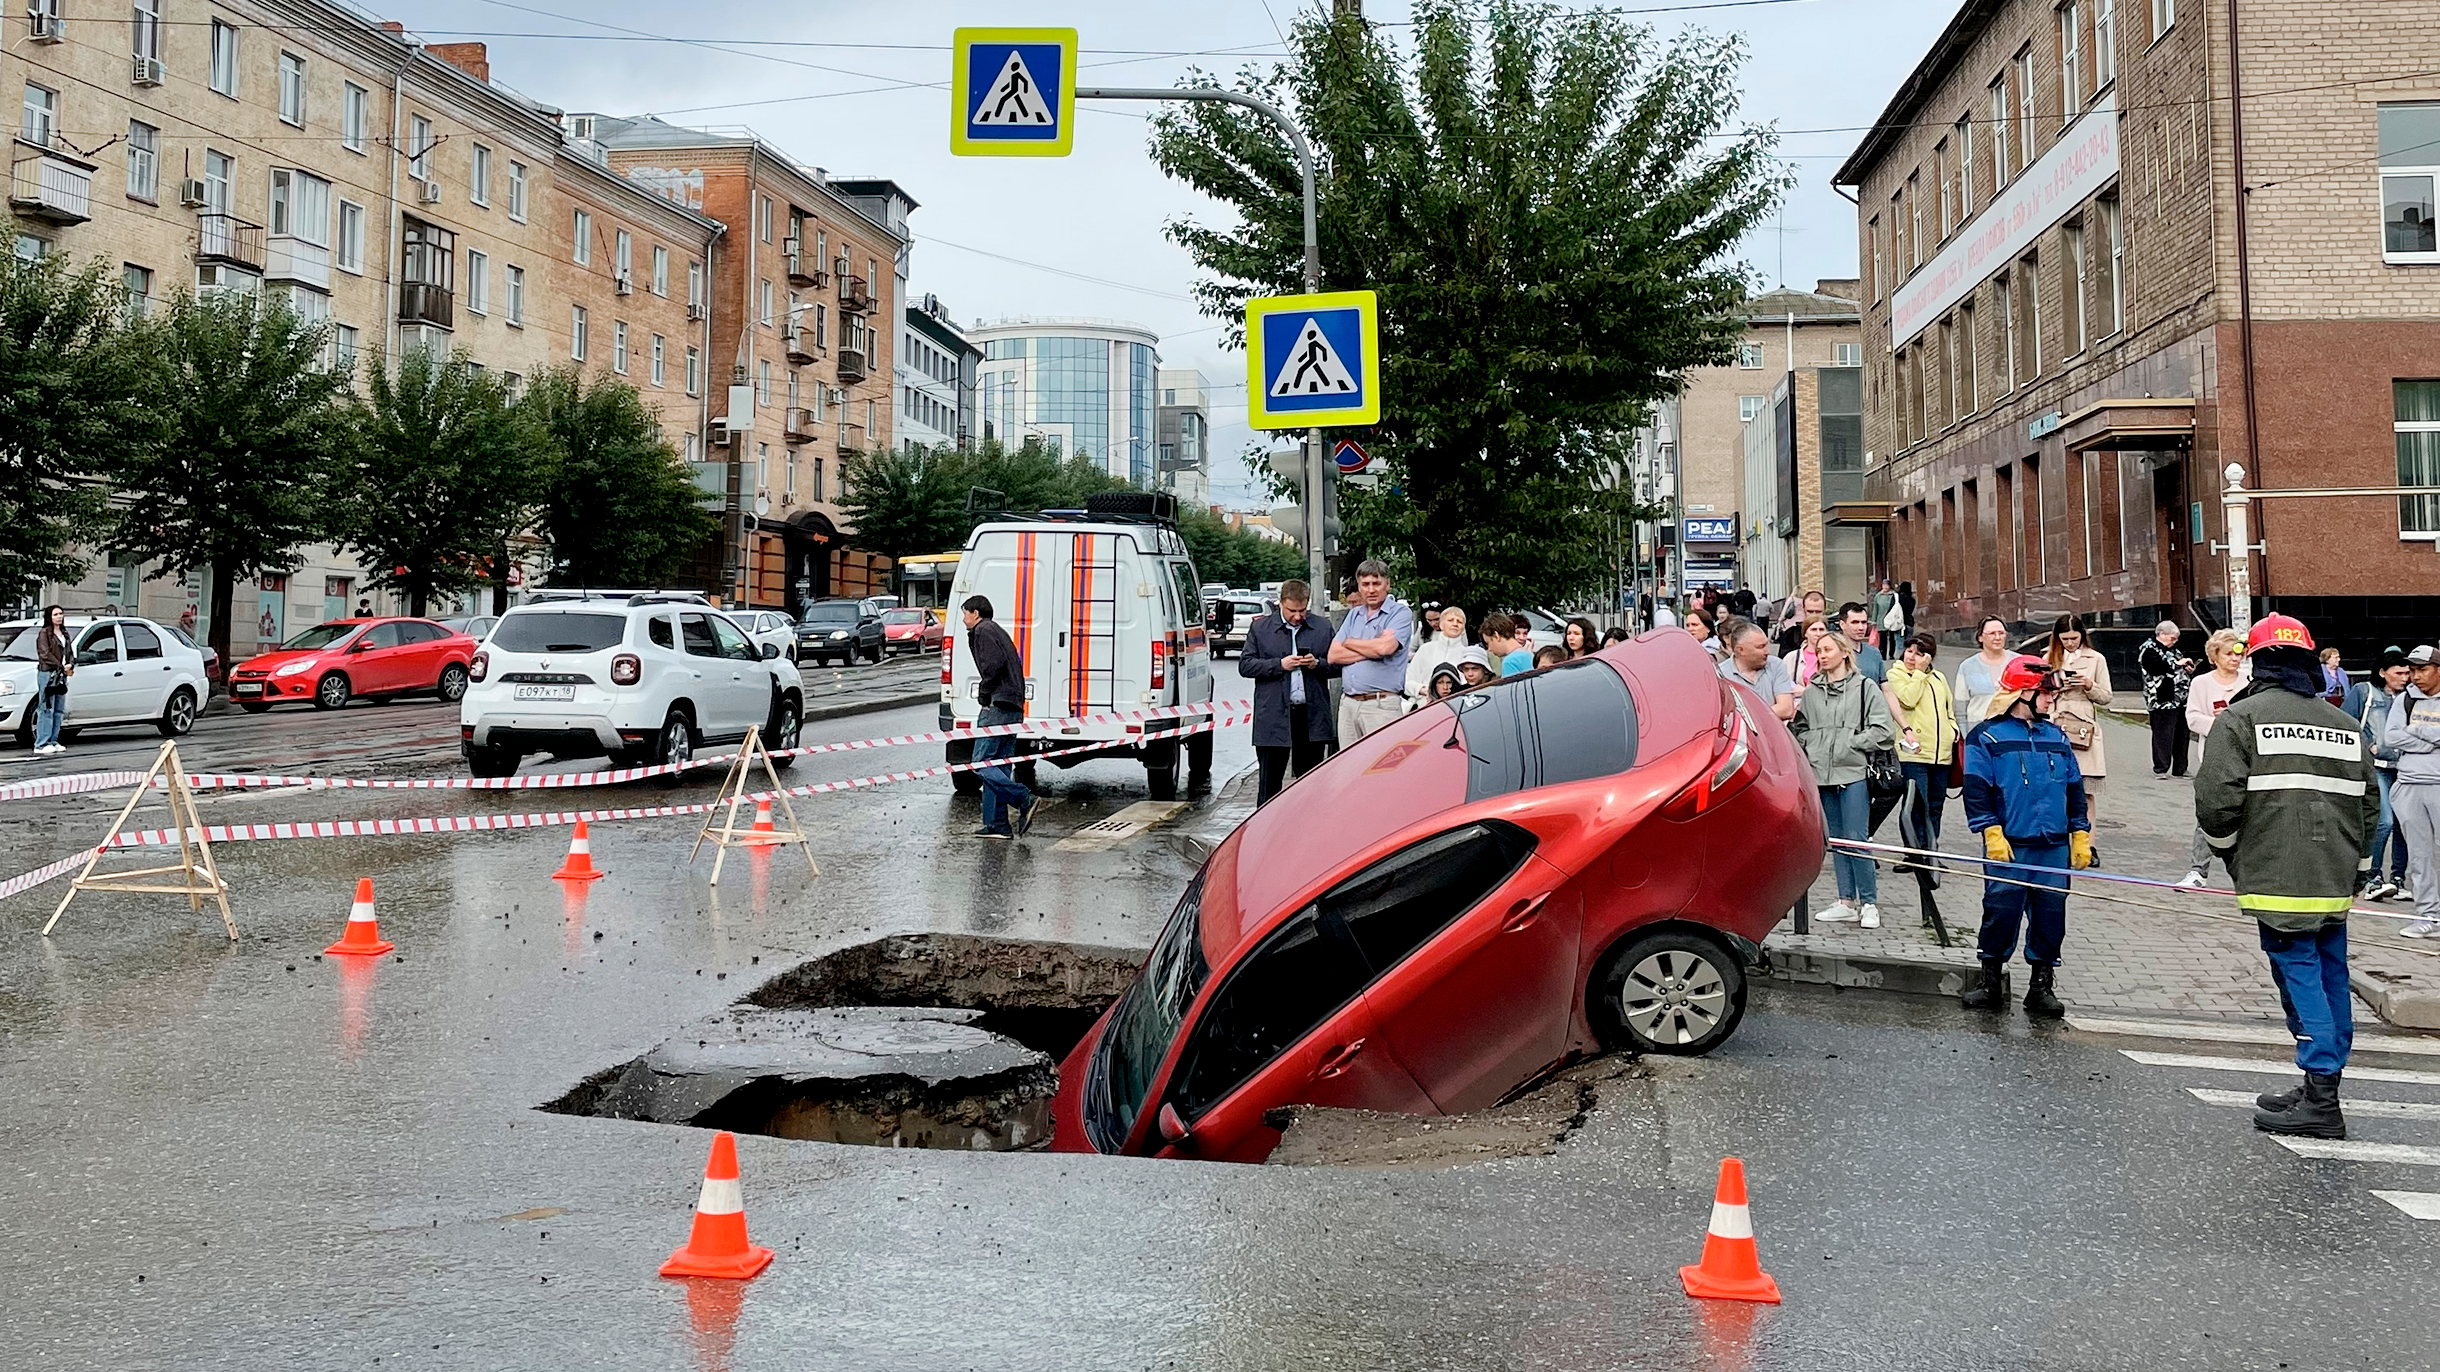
(1015, 92)
(1313, 361)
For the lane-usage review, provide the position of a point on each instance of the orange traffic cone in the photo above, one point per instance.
(718, 1247)
(762, 824)
(363, 936)
(579, 866)
(1730, 1270)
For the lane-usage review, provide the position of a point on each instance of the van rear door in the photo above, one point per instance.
(1018, 571)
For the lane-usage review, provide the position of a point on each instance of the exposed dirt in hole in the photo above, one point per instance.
(911, 1041)
(1532, 1125)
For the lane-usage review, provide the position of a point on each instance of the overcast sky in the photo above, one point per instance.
(996, 237)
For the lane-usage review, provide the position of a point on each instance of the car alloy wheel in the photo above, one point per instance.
(331, 692)
(676, 747)
(1669, 991)
(178, 716)
(453, 682)
(787, 722)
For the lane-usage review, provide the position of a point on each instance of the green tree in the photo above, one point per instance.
(239, 481)
(1236, 557)
(1545, 201)
(446, 472)
(617, 502)
(906, 502)
(67, 379)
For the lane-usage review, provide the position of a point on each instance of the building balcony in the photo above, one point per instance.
(50, 186)
(851, 365)
(799, 426)
(294, 259)
(800, 347)
(851, 439)
(855, 295)
(420, 303)
(802, 271)
(227, 238)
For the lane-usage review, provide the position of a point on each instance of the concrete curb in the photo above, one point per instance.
(2397, 997)
(816, 713)
(1867, 971)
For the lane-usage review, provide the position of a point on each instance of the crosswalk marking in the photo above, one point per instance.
(2423, 1205)
(2269, 1034)
(2369, 1109)
(2361, 1150)
(2212, 1064)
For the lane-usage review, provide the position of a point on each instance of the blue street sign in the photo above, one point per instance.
(1350, 457)
(1711, 529)
(1015, 92)
(1313, 361)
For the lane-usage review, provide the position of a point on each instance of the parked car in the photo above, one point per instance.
(128, 672)
(211, 655)
(340, 660)
(841, 629)
(771, 627)
(1556, 863)
(641, 681)
(910, 630)
(476, 627)
(1227, 618)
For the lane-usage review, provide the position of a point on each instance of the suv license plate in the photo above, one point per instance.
(545, 693)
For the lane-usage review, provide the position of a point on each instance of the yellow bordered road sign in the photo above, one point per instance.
(1313, 361)
(1015, 92)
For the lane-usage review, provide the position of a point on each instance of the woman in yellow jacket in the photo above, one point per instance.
(1927, 740)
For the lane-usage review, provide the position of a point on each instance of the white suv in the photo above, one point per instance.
(642, 680)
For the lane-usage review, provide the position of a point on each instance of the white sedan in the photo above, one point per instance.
(767, 627)
(128, 672)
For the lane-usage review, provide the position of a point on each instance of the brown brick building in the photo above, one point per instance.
(2066, 343)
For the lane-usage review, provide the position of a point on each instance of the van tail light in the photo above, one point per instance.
(626, 669)
(948, 656)
(479, 668)
(1160, 663)
(1733, 765)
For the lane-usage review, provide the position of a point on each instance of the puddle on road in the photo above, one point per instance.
(911, 1041)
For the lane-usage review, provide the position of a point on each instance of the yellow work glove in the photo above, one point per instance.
(1995, 845)
(2079, 850)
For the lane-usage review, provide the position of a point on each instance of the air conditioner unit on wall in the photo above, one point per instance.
(430, 193)
(719, 435)
(148, 71)
(694, 311)
(626, 285)
(190, 193)
(45, 27)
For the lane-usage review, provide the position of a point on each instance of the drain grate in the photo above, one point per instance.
(1121, 827)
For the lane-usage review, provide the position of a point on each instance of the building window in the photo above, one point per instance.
(2105, 42)
(1749, 356)
(762, 383)
(1965, 358)
(579, 328)
(478, 281)
(1964, 141)
(694, 371)
(660, 271)
(145, 35)
(139, 283)
(419, 147)
(2029, 280)
(514, 283)
(618, 347)
(660, 361)
(478, 176)
(516, 191)
(1914, 220)
(219, 169)
(623, 254)
(766, 301)
(2071, 71)
(143, 161)
(1846, 354)
(1940, 188)
(694, 281)
(2164, 14)
(2024, 107)
(2417, 410)
(1748, 406)
(762, 217)
(1952, 408)
(41, 114)
(354, 101)
(343, 348)
(821, 325)
(2006, 300)
(224, 59)
(2113, 267)
(583, 235)
(292, 89)
(2077, 286)
(1999, 133)
(300, 206)
(2410, 168)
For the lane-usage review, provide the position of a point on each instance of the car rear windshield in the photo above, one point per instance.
(903, 617)
(1562, 724)
(845, 612)
(20, 645)
(1147, 1018)
(559, 631)
(321, 636)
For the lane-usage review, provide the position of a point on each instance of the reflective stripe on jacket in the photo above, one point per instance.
(2285, 795)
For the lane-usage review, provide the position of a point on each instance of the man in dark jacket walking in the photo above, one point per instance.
(2286, 796)
(1000, 685)
(2025, 795)
(1287, 655)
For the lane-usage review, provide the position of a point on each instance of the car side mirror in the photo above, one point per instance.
(770, 651)
(361, 645)
(1173, 1126)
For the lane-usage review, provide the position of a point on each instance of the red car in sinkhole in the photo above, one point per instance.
(1580, 858)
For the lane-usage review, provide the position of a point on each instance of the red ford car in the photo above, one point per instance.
(332, 663)
(911, 630)
(1572, 859)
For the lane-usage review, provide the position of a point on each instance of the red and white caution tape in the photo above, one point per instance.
(1867, 849)
(27, 881)
(74, 784)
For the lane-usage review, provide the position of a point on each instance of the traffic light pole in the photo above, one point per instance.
(1317, 476)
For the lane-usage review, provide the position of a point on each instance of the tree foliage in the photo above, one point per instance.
(446, 470)
(906, 502)
(1236, 557)
(68, 378)
(617, 503)
(240, 480)
(1544, 200)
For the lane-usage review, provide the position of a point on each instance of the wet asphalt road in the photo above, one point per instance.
(214, 1160)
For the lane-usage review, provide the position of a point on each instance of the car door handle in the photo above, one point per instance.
(1524, 913)
(1336, 1060)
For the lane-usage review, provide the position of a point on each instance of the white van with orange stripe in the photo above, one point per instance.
(1107, 615)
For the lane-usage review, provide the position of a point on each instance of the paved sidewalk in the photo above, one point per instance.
(2202, 960)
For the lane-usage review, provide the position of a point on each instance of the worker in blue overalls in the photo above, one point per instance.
(2025, 796)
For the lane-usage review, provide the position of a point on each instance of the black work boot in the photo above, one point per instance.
(2279, 1100)
(2315, 1114)
(1990, 989)
(2039, 1002)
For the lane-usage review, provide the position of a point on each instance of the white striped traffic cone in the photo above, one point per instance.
(717, 1246)
(363, 937)
(1731, 1269)
(579, 866)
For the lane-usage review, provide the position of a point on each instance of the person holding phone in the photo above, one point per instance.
(1287, 656)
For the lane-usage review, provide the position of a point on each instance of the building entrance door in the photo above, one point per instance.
(2176, 546)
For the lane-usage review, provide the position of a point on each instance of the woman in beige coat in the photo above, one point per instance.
(2086, 675)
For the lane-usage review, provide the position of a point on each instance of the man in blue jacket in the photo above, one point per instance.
(2025, 795)
(1287, 655)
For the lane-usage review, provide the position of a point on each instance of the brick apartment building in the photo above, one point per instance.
(2074, 321)
(802, 299)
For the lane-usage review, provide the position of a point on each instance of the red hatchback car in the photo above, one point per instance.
(911, 629)
(1578, 858)
(332, 663)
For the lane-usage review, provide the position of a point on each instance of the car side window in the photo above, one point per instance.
(733, 641)
(696, 628)
(141, 642)
(1283, 990)
(98, 645)
(1392, 907)
(657, 630)
(384, 636)
(1190, 592)
(422, 633)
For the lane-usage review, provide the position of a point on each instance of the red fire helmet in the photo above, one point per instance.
(2028, 674)
(2278, 631)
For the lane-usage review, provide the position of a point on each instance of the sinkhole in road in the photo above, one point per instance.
(908, 1041)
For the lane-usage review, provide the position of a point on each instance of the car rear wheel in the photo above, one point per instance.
(178, 716)
(676, 745)
(873, 654)
(1668, 991)
(453, 682)
(787, 722)
(331, 691)
(1199, 757)
(492, 762)
(1161, 770)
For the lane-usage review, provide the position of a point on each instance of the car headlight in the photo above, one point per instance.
(838, 633)
(296, 668)
(8, 688)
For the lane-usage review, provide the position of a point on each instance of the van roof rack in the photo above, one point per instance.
(1123, 507)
